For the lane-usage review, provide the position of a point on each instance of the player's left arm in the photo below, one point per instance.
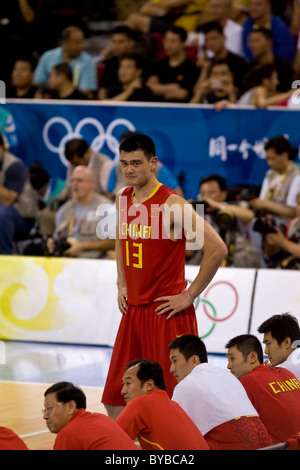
(200, 234)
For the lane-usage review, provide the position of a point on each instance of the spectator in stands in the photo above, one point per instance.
(225, 419)
(280, 186)
(131, 78)
(156, 16)
(61, 84)
(260, 43)
(76, 428)
(79, 231)
(260, 16)
(273, 391)
(218, 87)
(9, 440)
(48, 189)
(215, 44)
(263, 92)
(77, 152)
(230, 220)
(277, 200)
(72, 52)
(18, 200)
(288, 242)
(282, 340)
(220, 11)
(22, 85)
(175, 75)
(150, 416)
(123, 40)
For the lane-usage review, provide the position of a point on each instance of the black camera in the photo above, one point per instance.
(199, 202)
(264, 225)
(61, 245)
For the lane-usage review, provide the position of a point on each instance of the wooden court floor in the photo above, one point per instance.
(20, 410)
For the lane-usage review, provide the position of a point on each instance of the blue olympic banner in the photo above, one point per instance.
(192, 140)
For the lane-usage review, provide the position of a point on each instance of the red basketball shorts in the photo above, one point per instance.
(143, 334)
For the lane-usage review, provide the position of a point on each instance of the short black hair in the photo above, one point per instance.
(138, 59)
(181, 32)
(74, 147)
(281, 326)
(66, 391)
(123, 29)
(214, 177)
(190, 345)
(246, 344)
(149, 370)
(266, 32)
(138, 141)
(212, 26)
(63, 69)
(280, 145)
(38, 176)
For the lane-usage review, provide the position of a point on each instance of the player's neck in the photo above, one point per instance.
(142, 193)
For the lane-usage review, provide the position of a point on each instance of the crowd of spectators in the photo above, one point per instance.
(218, 52)
(171, 44)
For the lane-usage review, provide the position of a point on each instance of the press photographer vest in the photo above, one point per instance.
(27, 202)
(87, 227)
(279, 186)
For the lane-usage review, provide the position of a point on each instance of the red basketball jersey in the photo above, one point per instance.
(154, 264)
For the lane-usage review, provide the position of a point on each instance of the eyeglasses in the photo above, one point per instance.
(49, 409)
(80, 180)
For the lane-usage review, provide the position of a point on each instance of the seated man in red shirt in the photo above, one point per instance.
(9, 440)
(77, 429)
(151, 416)
(273, 391)
(214, 399)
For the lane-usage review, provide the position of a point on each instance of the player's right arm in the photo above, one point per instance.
(121, 282)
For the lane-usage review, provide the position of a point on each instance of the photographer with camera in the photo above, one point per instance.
(276, 204)
(287, 245)
(230, 220)
(77, 221)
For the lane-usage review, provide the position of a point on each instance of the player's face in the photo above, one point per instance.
(136, 168)
(55, 413)
(276, 352)
(236, 363)
(132, 386)
(180, 367)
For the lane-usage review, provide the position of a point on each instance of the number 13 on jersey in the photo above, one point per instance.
(134, 254)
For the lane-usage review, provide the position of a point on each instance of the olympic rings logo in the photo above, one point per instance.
(209, 307)
(96, 144)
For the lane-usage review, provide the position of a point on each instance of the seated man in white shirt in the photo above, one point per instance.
(282, 342)
(214, 399)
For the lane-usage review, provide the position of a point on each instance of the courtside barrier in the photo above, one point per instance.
(74, 301)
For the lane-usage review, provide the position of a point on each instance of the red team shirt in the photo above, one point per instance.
(275, 394)
(154, 265)
(9, 440)
(92, 431)
(160, 424)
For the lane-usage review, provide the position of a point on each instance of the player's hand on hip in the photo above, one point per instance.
(122, 300)
(173, 304)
